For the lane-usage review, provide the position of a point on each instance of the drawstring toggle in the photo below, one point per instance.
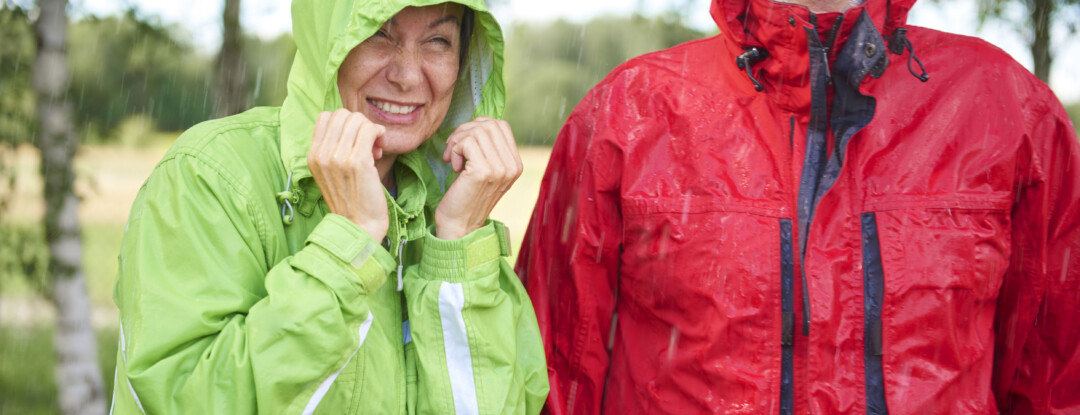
(897, 43)
(749, 57)
(286, 198)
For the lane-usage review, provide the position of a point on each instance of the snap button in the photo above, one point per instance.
(870, 50)
(791, 20)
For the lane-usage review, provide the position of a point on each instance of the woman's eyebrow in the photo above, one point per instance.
(445, 19)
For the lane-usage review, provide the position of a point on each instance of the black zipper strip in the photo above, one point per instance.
(787, 304)
(873, 296)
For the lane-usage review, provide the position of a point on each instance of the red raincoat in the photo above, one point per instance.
(848, 239)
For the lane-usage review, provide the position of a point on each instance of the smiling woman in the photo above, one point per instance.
(253, 270)
(402, 77)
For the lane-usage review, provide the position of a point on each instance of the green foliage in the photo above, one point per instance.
(122, 66)
(101, 244)
(268, 68)
(17, 50)
(1074, 114)
(551, 66)
(998, 9)
(26, 353)
(24, 257)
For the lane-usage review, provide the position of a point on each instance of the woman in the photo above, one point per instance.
(253, 273)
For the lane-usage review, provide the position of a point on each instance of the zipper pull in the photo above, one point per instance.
(828, 71)
(400, 261)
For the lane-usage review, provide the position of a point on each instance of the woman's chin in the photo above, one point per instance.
(398, 143)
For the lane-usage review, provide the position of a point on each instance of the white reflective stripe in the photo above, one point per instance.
(123, 344)
(136, 396)
(456, 342)
(123, 354)
(324, 387)
(115, 375)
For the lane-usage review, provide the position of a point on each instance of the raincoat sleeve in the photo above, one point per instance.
(569, 258)
(1037, 360)
(477, 346)
(208, 326)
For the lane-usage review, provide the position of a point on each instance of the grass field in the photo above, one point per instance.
(108, 179)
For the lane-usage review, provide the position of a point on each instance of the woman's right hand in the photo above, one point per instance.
(342, 162)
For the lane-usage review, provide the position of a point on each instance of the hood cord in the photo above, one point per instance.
(897, 43)
(400, 267)
(285, 198)
(749, 57)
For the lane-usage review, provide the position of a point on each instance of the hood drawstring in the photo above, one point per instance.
(897, 43)
(285, 198)
(749, 57)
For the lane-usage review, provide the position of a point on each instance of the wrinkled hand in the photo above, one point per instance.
(484, 153)
(342, 162)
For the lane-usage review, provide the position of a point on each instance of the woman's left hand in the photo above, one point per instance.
(484, 153)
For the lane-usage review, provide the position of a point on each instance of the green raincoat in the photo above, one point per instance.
(240, 293)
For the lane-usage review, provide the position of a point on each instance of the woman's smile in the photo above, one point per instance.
(389, 112)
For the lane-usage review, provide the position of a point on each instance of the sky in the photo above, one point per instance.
(270, 18)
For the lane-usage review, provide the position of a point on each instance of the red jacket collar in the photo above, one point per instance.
(760, 22)
(781, 30)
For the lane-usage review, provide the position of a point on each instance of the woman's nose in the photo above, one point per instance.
(405, 70)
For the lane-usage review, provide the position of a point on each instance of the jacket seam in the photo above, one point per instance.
(214, 134)
(890, 204)
(242, 192)
(680, 205)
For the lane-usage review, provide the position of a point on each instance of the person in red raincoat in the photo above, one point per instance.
(814, 211)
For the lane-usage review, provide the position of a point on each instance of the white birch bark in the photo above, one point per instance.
(78, 378)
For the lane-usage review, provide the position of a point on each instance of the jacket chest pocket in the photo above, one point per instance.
(938, 278)
(712, 262)
(937, 251)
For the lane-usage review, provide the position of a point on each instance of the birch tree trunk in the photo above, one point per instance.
(78, 378)
(232, 68)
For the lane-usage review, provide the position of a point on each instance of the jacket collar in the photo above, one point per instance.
(783, 31)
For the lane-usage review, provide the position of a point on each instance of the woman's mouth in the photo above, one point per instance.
(393, 109)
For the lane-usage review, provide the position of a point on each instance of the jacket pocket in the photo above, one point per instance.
(700, 304)
(929, 297)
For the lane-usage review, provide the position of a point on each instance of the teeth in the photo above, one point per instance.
(394, 109)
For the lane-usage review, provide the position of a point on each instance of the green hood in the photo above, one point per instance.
(325, 32)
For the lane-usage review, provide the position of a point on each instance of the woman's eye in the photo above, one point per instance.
(441, 40)
(380, 33)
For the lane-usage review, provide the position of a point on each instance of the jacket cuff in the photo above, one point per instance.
(344, 257)
(471, 257)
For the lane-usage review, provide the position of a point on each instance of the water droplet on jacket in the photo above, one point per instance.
(673, 343)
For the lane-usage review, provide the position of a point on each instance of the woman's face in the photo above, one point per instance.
(403, 76)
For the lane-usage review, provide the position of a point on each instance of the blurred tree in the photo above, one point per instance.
(232, 92)
(78, 378)
(124, 66)
(550, 66)
(1040, 16)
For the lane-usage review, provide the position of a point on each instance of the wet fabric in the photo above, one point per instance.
(791, 217)
(240, 293)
